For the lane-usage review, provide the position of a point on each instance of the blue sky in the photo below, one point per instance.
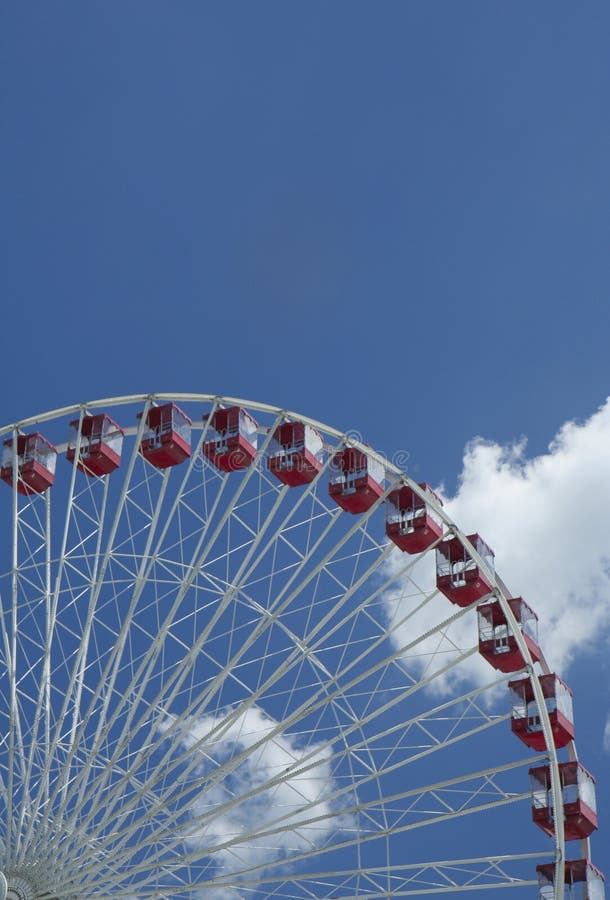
(393, 217)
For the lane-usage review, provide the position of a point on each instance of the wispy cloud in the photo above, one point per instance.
(247, 797)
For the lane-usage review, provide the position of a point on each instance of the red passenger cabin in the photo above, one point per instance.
(583, 881)
(458, 576)
(356, 480)
(410, 521)
(497, 643)
(525, 721)
(295, 453)
(101, 442)
(579, 807)
(231, 438)
(167, 438)
(36, 461)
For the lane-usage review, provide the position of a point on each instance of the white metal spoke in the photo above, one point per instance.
(322, 697)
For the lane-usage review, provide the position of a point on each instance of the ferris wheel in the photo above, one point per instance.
(244, 656)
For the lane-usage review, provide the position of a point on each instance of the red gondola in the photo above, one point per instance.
(167, 439)
(231, 438)
(583, 881)
(101, 442)
(36, 461)
(295, 453)
(579, 807)
(525, 721)
(356, 480)
(497, 643)
(410, 521)
(458, 576)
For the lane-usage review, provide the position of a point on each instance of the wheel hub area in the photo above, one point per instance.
(16, 887)
(19, 889)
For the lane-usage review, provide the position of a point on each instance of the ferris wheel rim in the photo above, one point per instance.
(499, 589)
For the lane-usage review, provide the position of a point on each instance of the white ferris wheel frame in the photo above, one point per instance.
(397, 477)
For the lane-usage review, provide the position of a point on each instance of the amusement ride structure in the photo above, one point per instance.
(245, 656)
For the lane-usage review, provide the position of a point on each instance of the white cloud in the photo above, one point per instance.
(607, 736)
(250, 806)
(548, 520)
